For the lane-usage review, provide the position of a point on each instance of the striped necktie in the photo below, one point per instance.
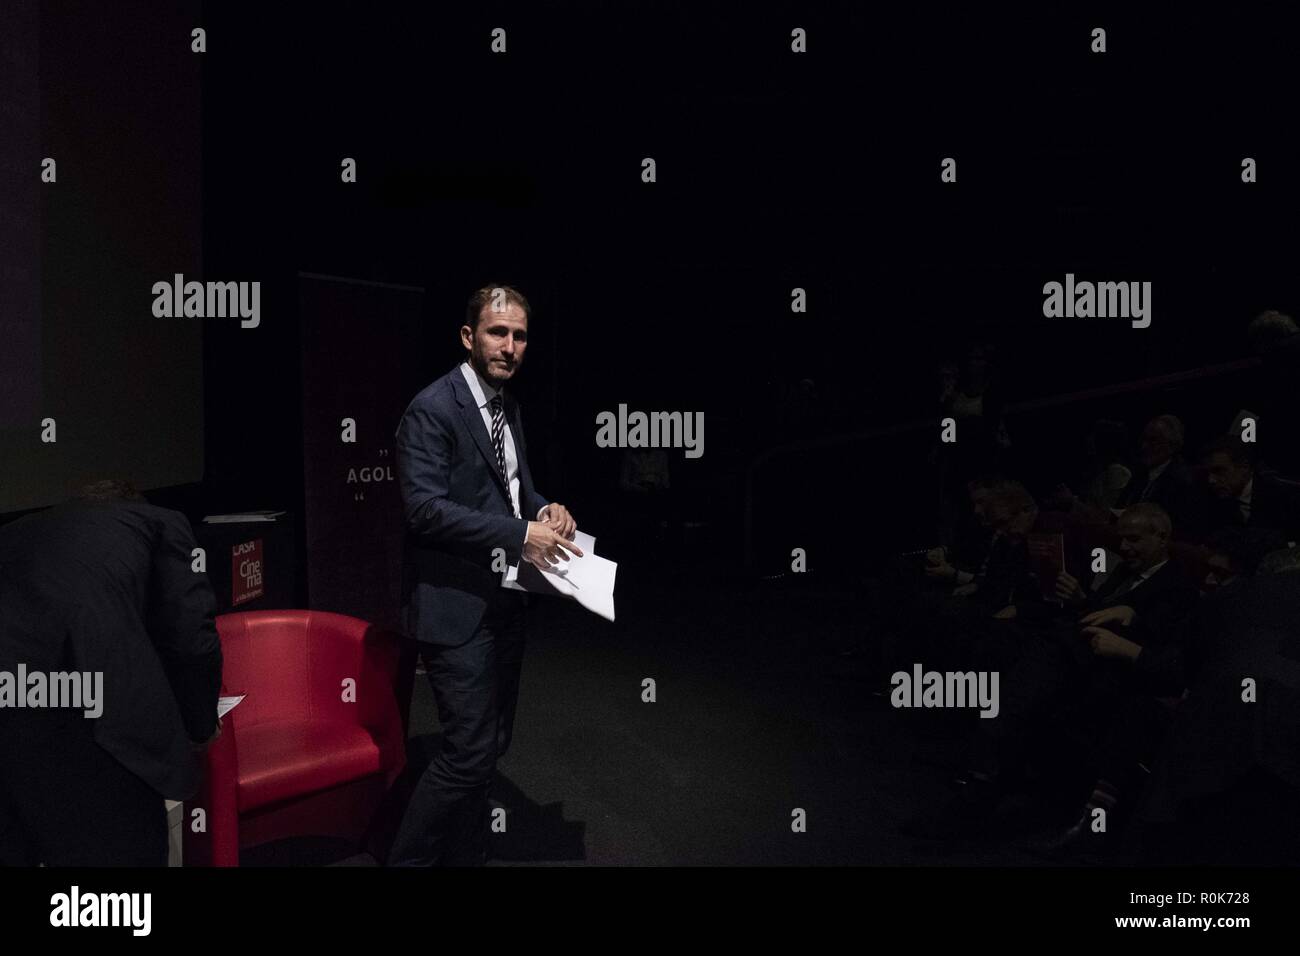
(499, 441)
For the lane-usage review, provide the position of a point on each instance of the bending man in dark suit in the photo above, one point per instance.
(104, 585)
(465, 483)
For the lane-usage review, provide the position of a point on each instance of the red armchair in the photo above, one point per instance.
(301, 754)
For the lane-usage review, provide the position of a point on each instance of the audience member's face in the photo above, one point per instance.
(1014, 524)
(496, 346)
(1227, 478)
(1220, 572)
(979, 499)
(1157, 446)
(1140, 545)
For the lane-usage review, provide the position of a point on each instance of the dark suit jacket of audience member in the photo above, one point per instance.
(1163, 602)
(1274, 504)
(107, 586)
(1175, 491)
(1250, 629)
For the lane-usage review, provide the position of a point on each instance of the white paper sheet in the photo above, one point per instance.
(589, 579)
(226, 704)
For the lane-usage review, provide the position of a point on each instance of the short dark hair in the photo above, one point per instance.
(485, 295)
(109, 489)
(1239, 452)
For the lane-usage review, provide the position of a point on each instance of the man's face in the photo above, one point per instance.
(496, 347)
(1010, 522)
(1227, 478)
(1157, 447)
(979, 499)
(1139, 545)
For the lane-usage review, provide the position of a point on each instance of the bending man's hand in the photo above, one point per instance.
(216, 735)
(545, 547)
(557, 518)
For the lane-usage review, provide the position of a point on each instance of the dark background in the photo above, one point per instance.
(775, 171)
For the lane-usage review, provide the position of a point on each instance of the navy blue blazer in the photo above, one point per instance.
(457, 510)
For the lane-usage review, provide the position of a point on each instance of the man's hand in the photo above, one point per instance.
(1008, 613)
(966, 590)
(557, 518)
(1106, 643)
(1122, 615)
(944, 571)
(1068, 590)
(545, 545)
(216, 735)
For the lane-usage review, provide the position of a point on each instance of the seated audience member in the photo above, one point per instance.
(1130, 718)
(941, 626)
(964, 559)
(1238, 727)
(1163, 478)
(1145, 579)
(910, 599)
(1060, 667)
(1106, 476)
(1007, 578)
(1245, 497)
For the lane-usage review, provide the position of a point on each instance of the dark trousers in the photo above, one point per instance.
(476, 686)
(65, 801)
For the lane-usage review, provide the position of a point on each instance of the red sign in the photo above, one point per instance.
(246, 572)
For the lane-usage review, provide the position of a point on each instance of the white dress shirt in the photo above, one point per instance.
(483, 393)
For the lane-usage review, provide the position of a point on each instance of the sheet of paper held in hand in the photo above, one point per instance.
(589, 579)
(226, 704)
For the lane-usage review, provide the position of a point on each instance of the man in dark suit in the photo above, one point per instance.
(1163, 478)
(466, 487)
(1243, 496)
(103, 585)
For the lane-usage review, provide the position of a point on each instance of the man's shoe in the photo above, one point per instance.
(1078, 841)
